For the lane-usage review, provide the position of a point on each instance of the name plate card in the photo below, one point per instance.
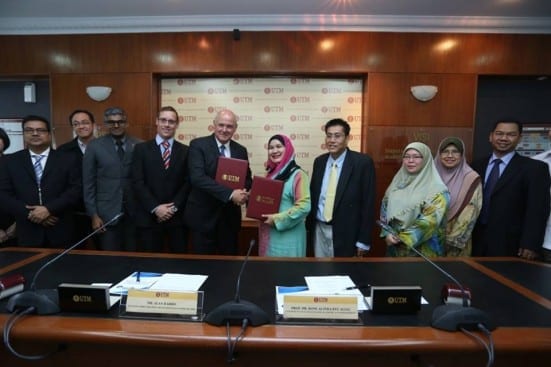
(320, 307)
(161, 302)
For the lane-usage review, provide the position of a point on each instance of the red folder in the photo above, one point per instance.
(231, 172)
(264, 198)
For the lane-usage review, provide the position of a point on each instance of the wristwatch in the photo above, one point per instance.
(174, 209)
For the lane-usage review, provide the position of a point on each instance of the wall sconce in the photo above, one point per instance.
(424, 93)
(98, 93)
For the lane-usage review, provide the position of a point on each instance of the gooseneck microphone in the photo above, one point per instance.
(451, 317)
(45, 301)
(236, 311)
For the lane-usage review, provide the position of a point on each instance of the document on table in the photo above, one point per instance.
(179, 282)
(158, 281)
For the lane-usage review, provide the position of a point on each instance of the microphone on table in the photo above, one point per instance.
(452, 317)
(234, 312)
(45, 301)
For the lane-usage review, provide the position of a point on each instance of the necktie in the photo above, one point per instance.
(488, 189)
(330, 194)
(38, 167)
(222, 150)
(120, 150)
(166, 153)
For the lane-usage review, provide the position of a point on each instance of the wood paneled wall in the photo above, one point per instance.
(389, 62)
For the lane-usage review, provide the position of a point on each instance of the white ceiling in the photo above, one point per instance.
(131, 16)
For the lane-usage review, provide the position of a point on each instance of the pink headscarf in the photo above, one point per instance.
(460, 180)
(289, 155)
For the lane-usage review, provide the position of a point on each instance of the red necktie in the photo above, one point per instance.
(166, 153)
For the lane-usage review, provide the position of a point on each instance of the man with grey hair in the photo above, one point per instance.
(107, 182)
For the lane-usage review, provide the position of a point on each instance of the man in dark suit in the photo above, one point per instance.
(7, 222)
(213, 211)
(161, 186)
(106, 183)
(516, 198)
(83, 125)
(341, 219)
(41, 188)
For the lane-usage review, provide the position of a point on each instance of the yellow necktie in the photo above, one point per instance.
(330, 194)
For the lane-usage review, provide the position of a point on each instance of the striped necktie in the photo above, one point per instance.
(166, 153)
(38, 167)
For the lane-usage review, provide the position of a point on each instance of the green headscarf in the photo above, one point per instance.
(407, 192)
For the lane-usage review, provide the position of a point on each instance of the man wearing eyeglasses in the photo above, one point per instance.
(515, 204)
(161, 184)
(40, 187)
(106, 182)
(83, 124)
(343, 197)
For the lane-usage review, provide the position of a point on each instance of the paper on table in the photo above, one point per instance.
(146, 280)
(179, 282)
(330, 284)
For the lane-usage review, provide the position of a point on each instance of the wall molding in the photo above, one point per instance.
(322, 22)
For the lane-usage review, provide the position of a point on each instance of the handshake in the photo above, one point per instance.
(239, 196)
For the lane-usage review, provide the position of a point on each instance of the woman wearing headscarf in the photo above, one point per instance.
(284, 233)
(465, 189)
(7, 222)
(415, 205)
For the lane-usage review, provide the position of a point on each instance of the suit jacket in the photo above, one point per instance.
(105, 179)
(154, 185)
(519, 208)
(61, 192)
(354, 210)
(72, 147)
(208, 198)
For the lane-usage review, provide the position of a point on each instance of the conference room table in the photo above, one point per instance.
(514, 292)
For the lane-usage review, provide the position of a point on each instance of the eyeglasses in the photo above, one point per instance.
(167, 121)
(447, 152)
(81, 123)
(412, 157)
(113, 122)
(336, 136)
(31, 131)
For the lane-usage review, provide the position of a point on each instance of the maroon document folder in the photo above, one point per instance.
(264, 198)
(231, 172)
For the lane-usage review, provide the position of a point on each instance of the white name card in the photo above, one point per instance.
(161, 302)
(320, 307)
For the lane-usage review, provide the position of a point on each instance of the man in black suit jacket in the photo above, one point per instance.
(83, 124)
(348, 231)
(161, 186)
(41, 188)
(213, 211)
(514, 214)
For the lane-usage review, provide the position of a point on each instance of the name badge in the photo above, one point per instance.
(320, 307)
(161, 302)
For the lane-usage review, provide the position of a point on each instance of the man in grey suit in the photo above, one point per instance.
(107, 183)
(342, 218)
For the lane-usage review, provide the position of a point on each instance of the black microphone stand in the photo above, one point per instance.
(236, 311)
(45, 301)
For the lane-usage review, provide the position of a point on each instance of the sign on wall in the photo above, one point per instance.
(296, 107)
